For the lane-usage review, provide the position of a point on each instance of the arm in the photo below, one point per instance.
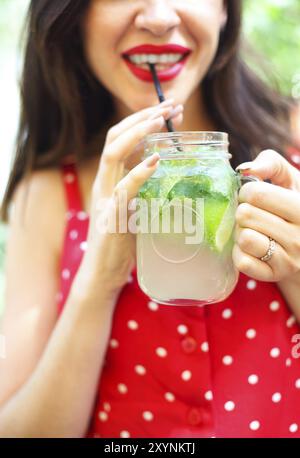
(48, 380)
(52, 394)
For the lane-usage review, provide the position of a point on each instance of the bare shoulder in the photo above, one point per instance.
(39, 205)
(87, 172)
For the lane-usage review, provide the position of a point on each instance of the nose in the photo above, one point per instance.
(157, 17)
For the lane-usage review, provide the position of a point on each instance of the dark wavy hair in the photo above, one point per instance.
(64, 106)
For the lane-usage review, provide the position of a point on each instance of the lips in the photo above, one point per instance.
(157, 49)
(145, 53)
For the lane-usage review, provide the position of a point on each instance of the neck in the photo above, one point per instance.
(195, 116)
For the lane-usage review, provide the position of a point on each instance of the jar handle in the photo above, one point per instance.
(246, 178)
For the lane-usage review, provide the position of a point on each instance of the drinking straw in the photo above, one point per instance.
(160, 94)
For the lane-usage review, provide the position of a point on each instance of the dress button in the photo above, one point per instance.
(189, 344)
(195, 416)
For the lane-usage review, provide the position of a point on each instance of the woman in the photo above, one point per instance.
(116, 364)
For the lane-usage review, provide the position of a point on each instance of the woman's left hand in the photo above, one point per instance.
(269, 210)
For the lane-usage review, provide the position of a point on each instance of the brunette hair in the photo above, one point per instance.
(64, 106)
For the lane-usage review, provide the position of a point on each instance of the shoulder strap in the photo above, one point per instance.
(294, 156)
(72, 188)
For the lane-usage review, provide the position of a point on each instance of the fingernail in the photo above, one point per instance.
(245, 166)
(178, 109)
(152, 160)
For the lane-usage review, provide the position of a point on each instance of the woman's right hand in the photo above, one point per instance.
(110, 257)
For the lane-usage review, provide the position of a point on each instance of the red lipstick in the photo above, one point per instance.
(164, 75)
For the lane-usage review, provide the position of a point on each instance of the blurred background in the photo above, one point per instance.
(272, 27)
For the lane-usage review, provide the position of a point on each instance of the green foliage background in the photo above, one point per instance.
(271, 26)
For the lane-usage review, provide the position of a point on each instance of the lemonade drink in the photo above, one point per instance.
(170, 270)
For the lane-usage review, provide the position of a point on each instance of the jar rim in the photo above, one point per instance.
(202, 137)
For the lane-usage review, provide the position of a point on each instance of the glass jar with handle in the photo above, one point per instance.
(187, 209)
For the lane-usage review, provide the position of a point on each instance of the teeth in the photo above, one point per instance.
(155, 58)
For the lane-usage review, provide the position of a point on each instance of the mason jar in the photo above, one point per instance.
(187, 212)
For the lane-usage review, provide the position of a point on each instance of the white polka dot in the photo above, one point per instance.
(182, 329)
(139, 369)
(106, 406)
(254, 425)
(208, 395)
(251, 334)
(66, 274)
(103, 416)
(69, 178)
(82, 216)
(73, 235)
(288, 362)
(291, 321)
(83, 246)
(253, 379)
(226, 314)
(251, 284)
(186, 375)
(297, 384)
(147, 415)
(275, 352)
(295, 158)
(205, 347)
(293, 428)
(132, 325)
(114, 343)
(153, 306)
(122, 388)
(274, 306)
(229, 406)
(227, 360)
(276, 397)
(170, 397)
(161, 352)
(124, 434)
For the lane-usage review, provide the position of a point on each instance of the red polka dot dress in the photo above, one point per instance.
(225, 370)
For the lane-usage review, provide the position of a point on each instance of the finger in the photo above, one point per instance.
(251, 242)
(251, 266)
(177, 121)
(135, 179)
(115, 152)
(135, 157)
(135, 118)
(266, 223)
(270, 165)
(111, 168)
(255, 244)
(282, 202)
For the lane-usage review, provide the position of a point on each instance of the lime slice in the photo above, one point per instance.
(225, 229)
(219, 222)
